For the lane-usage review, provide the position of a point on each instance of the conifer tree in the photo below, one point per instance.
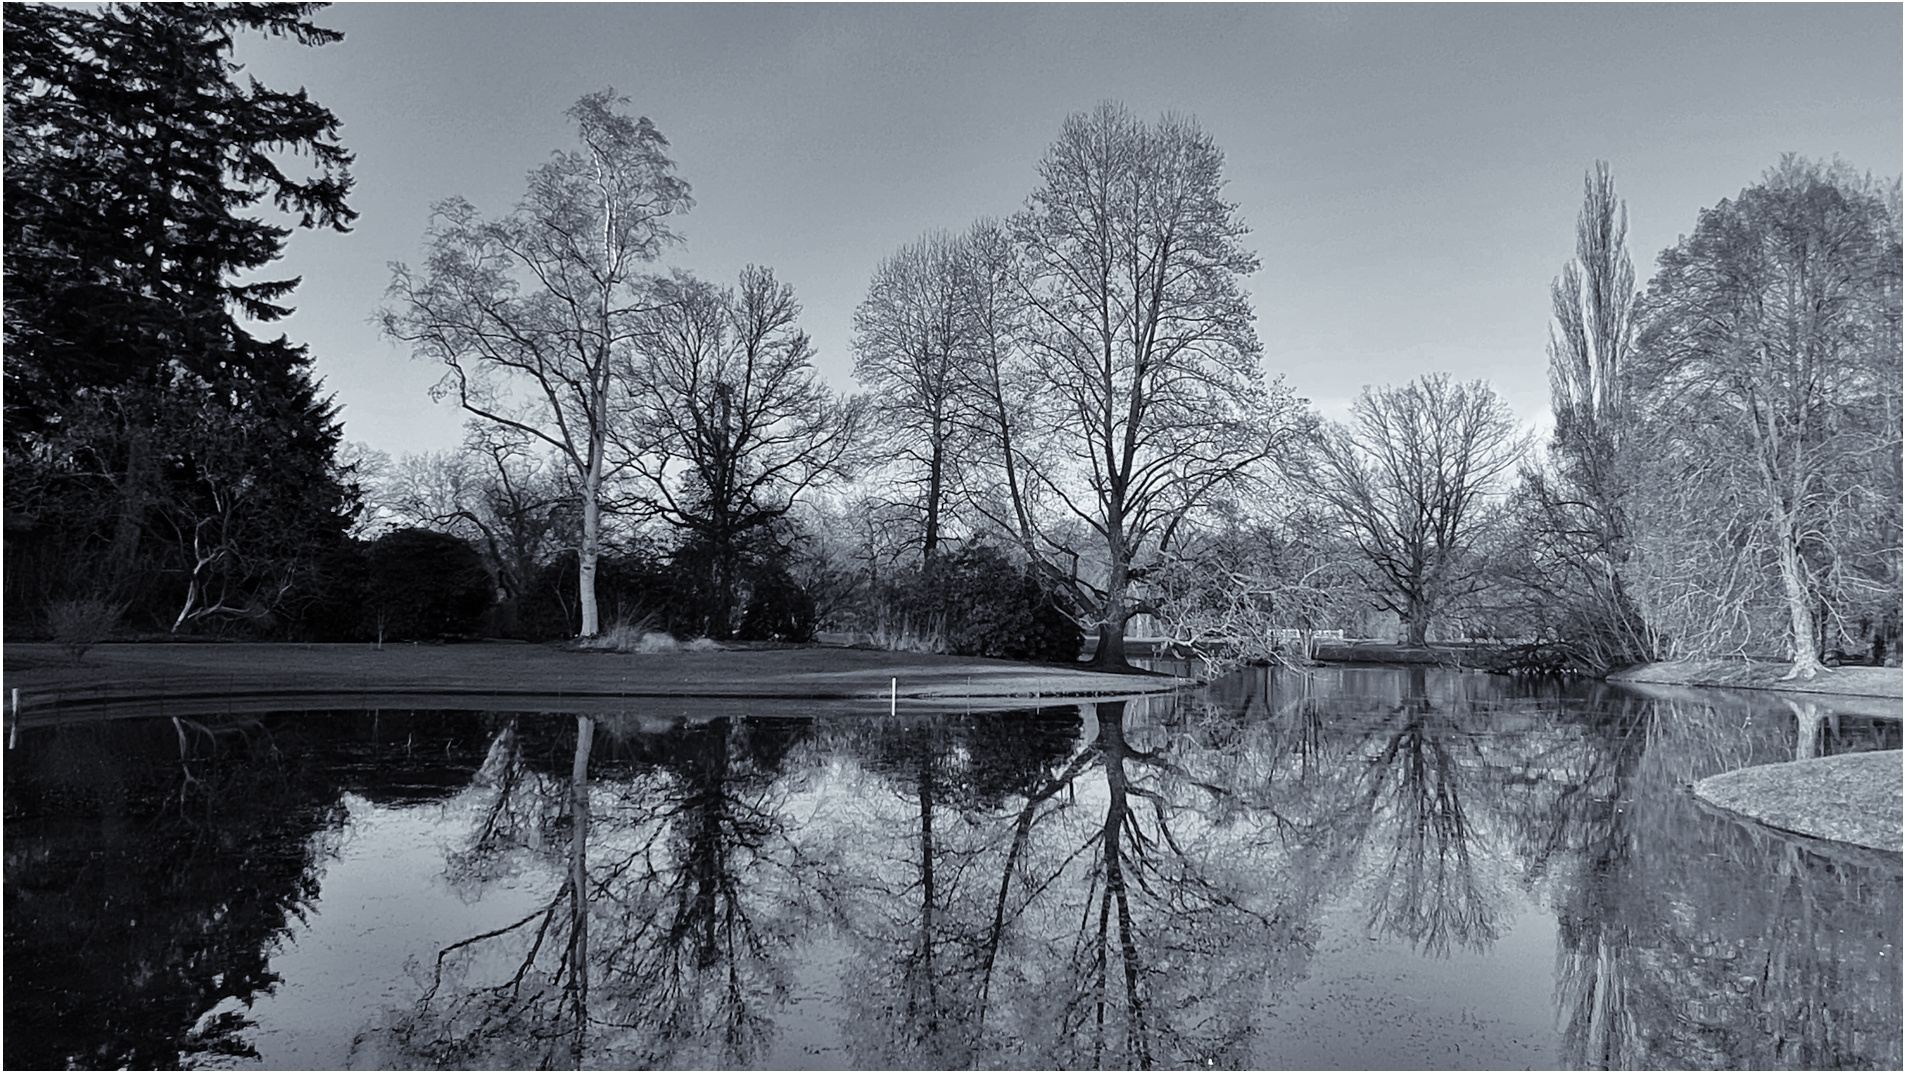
(136, 166)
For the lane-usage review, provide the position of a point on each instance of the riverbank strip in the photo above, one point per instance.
(1740, 674)
(262, 675)
(1853, 798)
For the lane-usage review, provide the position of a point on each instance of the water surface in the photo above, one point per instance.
(1355, 868)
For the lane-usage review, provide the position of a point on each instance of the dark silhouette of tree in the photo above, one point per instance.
(728, 425)
(495, 492)
(425, 585)
(156, 448)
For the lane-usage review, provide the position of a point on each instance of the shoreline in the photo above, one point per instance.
(1875, 682)
(132, 679)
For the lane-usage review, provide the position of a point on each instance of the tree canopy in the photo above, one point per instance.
(146, 426)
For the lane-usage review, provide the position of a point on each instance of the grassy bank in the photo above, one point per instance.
(1738, 674)
(123, 675)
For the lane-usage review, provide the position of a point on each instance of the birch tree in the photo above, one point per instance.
(532, 314)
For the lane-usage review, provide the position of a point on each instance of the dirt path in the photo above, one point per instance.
(51, 686)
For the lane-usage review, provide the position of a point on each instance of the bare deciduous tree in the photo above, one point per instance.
(496, 493)
(1771, 368)
(531, 313)
(1408, 480)
(1150, 385)
(726, 422)
(910, 338)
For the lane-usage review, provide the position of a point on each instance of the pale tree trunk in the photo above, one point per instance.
(1794, 583)
(586, 555)
(1807, 729)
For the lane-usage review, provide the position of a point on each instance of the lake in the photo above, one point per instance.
(1350, 868)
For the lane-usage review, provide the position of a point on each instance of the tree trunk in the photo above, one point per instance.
(1801, 622)
(934, 467)
(1417, 624)
(1110, 653)
(586, 555)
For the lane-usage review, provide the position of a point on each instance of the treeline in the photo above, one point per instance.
(1064, 422)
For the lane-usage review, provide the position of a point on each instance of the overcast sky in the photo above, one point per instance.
(1411, 173)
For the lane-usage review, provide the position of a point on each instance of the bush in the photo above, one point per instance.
(424, 585)
(977, 603)
(80, 624)
(778, 609)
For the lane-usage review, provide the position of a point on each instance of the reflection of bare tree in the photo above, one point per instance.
(1687, 939)
(1178, 922)
(919, 901)
(1428, 890)
(517, 1008)
(694, 898)
(650, 951)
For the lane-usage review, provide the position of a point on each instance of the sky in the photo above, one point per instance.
(1411, 173)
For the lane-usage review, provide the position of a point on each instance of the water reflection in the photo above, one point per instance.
(1108, 885)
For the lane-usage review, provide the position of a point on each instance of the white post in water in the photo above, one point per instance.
(13, 728)
(893, 694)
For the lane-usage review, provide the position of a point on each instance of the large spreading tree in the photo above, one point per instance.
(726, 425)
(1409, 480)
(1768, 384)
(1148, 379)
(158, 453)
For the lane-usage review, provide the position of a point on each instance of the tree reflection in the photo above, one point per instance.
(921, 835)
(1689, 939)
(153, 865)
(1427, 889)
(1173, 911)
(655, 948)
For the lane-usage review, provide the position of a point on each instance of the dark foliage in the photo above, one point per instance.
(425, 585)
(157, 453)
(778, 609)
(680, 594)
(984, 605)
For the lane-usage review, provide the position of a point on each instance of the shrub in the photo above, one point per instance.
(777, 609)
(78, 625)
(424, 585)
(977, 603)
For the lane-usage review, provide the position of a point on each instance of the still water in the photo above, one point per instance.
(1354, 868)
